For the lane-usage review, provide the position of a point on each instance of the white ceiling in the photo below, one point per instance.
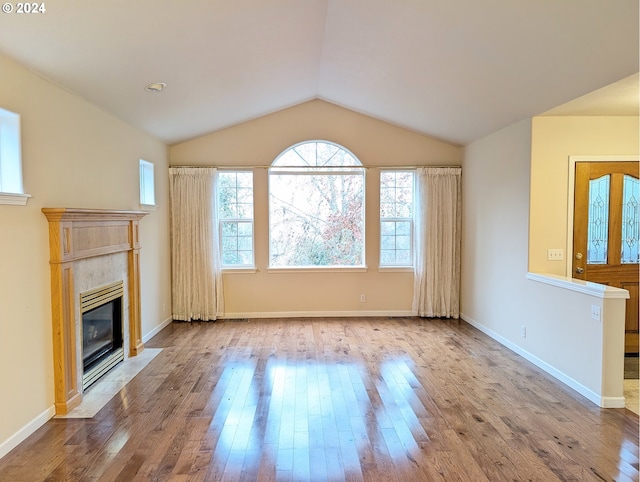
(453, 69)
(621, 98)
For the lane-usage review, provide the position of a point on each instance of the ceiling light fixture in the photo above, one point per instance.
(155, 87)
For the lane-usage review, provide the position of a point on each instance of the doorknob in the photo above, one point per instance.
(579, 270)
(578, 255)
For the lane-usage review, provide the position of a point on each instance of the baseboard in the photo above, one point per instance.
(612, 402)
(22, 434)
(316, 314)
(604, 402)
(156, 330)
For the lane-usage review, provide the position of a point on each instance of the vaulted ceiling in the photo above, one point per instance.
(452, 69)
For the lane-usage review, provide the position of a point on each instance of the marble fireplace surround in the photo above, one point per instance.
(89, 248)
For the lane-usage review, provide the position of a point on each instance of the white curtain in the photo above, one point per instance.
(436, 291)
(196, 279)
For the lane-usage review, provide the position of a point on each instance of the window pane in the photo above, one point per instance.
(229, 257)
(10, 153)
(388, 227)
(598, 231)
(403, 257)
(245, 229)
(147, 188)
(316, 153)
(388, 242)
(290, 158)
(229, 229)
(245, 195)
(244, 258)
(243, 211)
(244, 243)
(403, 227)
(307, 153)
(387, 179)
(630, 220)
(245, 180)
(229, 243)
(403, 242)
(387, 256)
(404, 203)
(387, 209)
(405, 179)
(316, 220)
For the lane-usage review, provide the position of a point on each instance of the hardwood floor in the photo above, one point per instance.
(335, 399)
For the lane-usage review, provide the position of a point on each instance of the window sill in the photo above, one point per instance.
(239, 270)
(148, 207)
(318, 269)
(395, 269)
(14, 199)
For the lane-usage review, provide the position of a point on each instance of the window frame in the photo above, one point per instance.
(410, 266)
(11, 173)
(310, 170)
(249, 267)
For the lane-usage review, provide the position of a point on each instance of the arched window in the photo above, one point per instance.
(316, 207)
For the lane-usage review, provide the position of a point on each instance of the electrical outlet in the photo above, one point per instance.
(523, 331)
(363, 298)
(595, 312)
(555, 254)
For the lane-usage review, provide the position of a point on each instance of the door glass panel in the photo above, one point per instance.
(630, 220)
(598, 232)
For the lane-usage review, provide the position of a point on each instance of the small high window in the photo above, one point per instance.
(147, 185)
(11, 189)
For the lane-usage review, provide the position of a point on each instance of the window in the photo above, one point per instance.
(11, 190)
(235, 210)
(147, 187)
(316, 207)
(396, 218)
(630, 220)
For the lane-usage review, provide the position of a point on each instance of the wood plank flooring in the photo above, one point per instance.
(380, 399)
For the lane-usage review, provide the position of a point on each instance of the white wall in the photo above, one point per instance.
(74, 155)
(495, 179)
(561, 336)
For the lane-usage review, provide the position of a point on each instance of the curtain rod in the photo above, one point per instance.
(314, 167)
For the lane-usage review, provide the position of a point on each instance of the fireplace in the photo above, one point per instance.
(102, 335)
(91, 249)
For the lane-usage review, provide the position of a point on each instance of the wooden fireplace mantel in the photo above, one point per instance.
(74, 235)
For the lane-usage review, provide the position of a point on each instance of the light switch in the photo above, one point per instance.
(555, 254)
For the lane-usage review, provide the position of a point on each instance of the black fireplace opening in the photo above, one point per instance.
(101, 333)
